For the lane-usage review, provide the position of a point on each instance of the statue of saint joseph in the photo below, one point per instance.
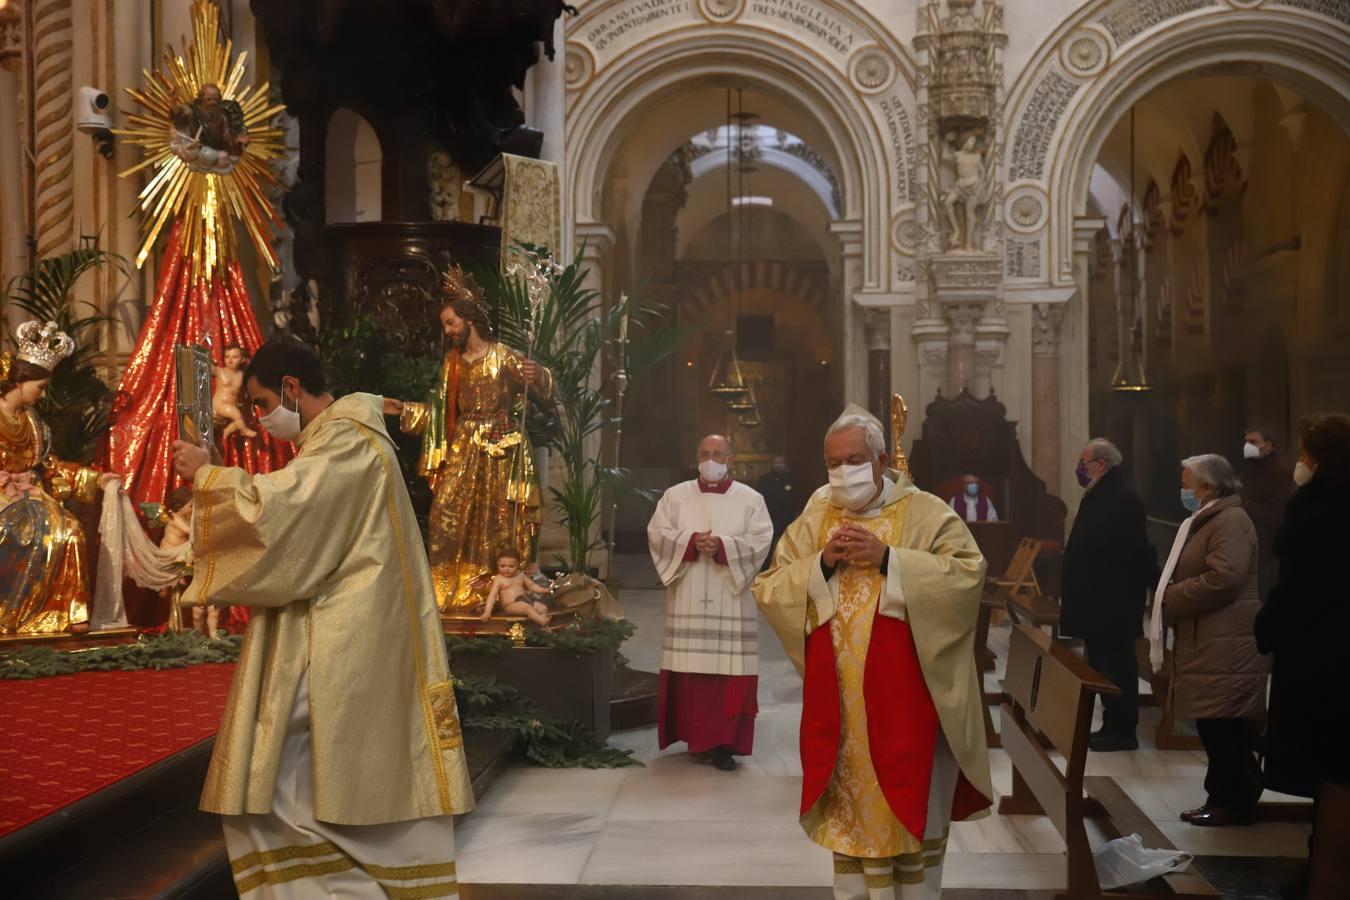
(479, 460)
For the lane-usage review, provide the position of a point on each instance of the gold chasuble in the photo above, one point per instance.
(857, 795)
(481, 467)
(328, 550)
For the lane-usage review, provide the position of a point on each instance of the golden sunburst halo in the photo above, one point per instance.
(208, 203)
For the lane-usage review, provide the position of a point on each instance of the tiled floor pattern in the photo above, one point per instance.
(675, 822)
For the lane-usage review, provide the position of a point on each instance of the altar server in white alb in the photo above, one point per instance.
(708, 539)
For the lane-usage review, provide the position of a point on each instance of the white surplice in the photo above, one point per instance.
(711, 622)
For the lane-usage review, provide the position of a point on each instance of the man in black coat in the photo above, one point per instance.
(782, 498)
(1108, 567)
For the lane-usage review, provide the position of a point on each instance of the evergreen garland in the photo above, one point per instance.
(552, 742)
(162, 651)
(582, 637)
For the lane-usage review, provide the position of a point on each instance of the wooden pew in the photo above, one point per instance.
(1019, 578)
(1051, 692)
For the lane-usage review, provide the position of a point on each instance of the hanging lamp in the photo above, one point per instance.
(727, 382)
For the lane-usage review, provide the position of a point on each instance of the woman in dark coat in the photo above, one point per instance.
(1218, 677)
(1307, 617)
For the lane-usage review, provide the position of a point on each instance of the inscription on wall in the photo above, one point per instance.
(902, 147)
(639, 15)
(1024, 259)
(822, 26)
(1127, 18)
(1048, 102)
(1332, 9)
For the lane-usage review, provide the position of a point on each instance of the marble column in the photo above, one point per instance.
(877, 336)
(1074, 393)
(1045, 323)
(546, 99)
(961, 319)
(849, 234)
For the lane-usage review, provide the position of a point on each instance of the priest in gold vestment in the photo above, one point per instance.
(339, 762)
(874, 592)
(479, 460)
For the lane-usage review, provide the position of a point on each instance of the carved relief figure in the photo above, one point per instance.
(444, 185)
(968, 190)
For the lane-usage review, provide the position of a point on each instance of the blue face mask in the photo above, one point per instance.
(1189, 500)
(973, 490)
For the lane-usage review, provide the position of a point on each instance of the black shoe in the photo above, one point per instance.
(1105, 742)
(1222, 817)
(723, 760)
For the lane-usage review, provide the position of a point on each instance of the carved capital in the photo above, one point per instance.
(1045, 321)
(962, 318)
(877, 328)
(933, 353)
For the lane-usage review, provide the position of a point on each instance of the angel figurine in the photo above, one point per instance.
(225, 398)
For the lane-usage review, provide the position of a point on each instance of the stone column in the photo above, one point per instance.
(965, 285)
(546, 99)
(1073, 386)
(961, 317)
(877, 336)
(1045, 322)
(596, 241)
(849, 234)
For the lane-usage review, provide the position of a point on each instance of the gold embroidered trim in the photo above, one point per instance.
(848, 866)
(428, 714)
(281, 854)
(206, 535)
(876, 880)
(423, 891)
(292, 873)
(410, 873)
(448, 731)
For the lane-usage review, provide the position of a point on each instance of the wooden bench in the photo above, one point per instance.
(1018, 579)
(1051, 693)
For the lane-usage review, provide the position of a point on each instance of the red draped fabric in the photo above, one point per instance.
(144, 422)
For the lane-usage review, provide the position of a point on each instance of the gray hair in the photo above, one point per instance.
(876, 441)
(1215, 471)
(1106, 451)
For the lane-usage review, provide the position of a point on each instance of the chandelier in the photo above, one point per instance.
(727, 382)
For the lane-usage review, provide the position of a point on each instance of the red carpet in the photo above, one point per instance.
(67, 736)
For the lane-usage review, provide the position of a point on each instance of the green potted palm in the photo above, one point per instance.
(568, 327)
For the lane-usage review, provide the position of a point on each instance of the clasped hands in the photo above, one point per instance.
(705, 543)
(852, 544)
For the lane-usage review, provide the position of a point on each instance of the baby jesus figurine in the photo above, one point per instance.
(511, 588)
(225, 398)
(178, 532)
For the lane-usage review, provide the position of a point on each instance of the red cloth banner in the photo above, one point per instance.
(144, 423)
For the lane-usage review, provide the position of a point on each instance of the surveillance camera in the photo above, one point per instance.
(91, 111)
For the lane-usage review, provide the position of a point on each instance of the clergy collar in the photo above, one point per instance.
(720, 488)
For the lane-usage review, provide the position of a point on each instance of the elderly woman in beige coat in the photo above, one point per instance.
(1210, 600)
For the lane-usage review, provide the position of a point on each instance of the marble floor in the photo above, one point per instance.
(676, 822)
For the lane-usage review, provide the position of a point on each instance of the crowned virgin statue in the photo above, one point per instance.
(479, 459)
(44, 587)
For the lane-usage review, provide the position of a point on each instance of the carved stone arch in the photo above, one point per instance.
(1185, 199)
(1223, 173)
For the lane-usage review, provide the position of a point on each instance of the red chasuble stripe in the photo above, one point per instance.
(821, 717)
(902, 722)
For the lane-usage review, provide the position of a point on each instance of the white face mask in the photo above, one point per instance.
(712, 471)
(282, 423)
(1302, 474)
(852, 487)
(1251, 451)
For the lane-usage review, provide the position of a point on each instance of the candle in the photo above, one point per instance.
(623, 319)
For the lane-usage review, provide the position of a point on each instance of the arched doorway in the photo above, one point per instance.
(352, 170)
(1065, 118)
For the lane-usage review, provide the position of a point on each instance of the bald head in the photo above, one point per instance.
(715, 447)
